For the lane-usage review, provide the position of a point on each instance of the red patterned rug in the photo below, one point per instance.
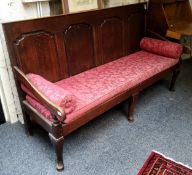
(158, 164)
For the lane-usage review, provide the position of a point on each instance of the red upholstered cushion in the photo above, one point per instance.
(40, 108)
(163, 48)
(27, 91)
(53, 92)
(99, 84)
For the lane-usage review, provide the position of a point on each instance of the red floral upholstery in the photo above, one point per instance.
(163, 48)
(99, 84)
(56, 94)
(24, 88)
(39, 107)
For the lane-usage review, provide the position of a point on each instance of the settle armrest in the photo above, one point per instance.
(57, 111)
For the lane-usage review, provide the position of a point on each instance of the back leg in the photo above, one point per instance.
(28, 124)
(131, 107)
(173, 80)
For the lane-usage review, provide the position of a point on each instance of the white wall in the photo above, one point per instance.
(16, 10)
(11, 10)
(7, 86)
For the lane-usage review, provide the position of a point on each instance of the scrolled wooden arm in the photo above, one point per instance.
(57, 111)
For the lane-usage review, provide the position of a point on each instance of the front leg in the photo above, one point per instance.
(58, 145)
(173, 80)
(131, 106)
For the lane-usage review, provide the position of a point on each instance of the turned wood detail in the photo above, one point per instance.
(58, 146)
(57, 139)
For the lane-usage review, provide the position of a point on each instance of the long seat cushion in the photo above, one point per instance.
(99, 84)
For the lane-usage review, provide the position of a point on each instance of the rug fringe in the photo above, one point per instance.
(172, 159)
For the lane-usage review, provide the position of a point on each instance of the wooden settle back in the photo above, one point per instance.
(61, 46)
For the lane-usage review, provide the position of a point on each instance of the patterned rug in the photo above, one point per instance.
(158, 164)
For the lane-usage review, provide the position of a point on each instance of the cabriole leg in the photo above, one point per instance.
(131, 107)
(58, 145)
(173, 80)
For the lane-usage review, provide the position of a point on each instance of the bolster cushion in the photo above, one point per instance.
(53, 92)
(163, 48)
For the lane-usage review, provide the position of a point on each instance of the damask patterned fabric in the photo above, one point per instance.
(39, 107)
(27, 91)
(99, 84)
(163, 48)
(53, 92)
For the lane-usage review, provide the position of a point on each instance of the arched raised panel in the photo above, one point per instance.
(111, 39)
(79, 47)
(135, 31)
(37, 53)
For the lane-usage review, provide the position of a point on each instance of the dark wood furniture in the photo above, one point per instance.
(2, 117)
(170, 18)
(63, 46)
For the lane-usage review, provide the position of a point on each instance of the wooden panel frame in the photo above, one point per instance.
(112, 39)
(85, 49)
(55, 26)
